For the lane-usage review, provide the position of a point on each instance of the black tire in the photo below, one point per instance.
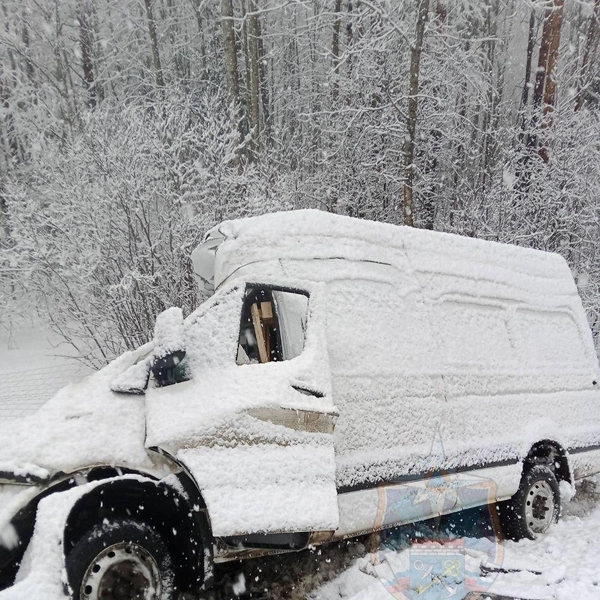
(122, 558)
(534, 508)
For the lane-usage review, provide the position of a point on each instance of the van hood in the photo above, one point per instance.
(84, 424)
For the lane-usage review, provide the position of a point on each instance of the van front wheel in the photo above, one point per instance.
(121, 559)
(535, 506)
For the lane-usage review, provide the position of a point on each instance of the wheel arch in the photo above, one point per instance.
(174, 508)
(551, 453)
(123, 490)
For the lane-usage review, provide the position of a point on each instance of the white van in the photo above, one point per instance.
(338, 366)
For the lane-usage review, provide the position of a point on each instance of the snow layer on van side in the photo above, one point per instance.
(295, 483)
(444, 351)
(83, 424)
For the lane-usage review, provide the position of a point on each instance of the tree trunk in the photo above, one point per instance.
(158, 73)
(242, 41)
(488, 111)
(201, 33)
(26, 46)
(545, 87)
(11, 145)
(527, 84)
(590, 43)
(430, 158)
(550, 88)
(555, 25)
(264, 90)
(540, 77)
(231, 68)
(335, 48)
(254, 83)
(349, 36)
(86, 53)
(544, 92)
(523, 174)
(413, 106)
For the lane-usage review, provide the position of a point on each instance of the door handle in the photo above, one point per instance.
(307, 391)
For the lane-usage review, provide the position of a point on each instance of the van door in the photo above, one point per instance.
(252, 416)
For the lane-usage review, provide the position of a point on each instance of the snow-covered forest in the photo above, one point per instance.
(129, 127)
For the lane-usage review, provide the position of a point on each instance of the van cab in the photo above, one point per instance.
(337, 366)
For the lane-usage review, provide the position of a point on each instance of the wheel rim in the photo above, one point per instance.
(123, 571)
(539, 507)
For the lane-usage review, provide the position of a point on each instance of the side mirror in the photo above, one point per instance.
(169, 346)
(163, 368)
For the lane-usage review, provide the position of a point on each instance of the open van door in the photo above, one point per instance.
(248, 410)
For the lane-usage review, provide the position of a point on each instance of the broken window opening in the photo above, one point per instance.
(272, 327)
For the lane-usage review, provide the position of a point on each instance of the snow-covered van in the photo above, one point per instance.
(338, 366)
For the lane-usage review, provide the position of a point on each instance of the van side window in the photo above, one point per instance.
(474, 333)
(548, 337)
(272, 326)
(402, 347)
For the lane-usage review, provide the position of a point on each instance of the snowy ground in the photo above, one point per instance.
(33, 367)
(561, 566)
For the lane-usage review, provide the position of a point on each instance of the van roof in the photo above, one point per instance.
(310, 233)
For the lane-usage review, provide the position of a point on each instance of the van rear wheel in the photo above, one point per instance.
(534, 508)
(121, 560)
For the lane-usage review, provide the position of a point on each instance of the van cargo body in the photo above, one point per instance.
(446, 353)
(340, 371)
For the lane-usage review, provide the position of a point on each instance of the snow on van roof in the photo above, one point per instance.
(326, 225)
(333, 225)
(306, 234)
